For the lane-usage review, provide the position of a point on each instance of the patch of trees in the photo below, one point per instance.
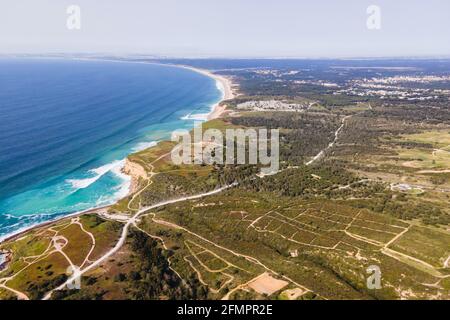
(168, 186)
(301, 134)
(416, 113)
(153, 278)
(228, 174)
(439, 179)
(306, 182)
(37, 290)
(82, 294)
(402, 208)
(92, 220)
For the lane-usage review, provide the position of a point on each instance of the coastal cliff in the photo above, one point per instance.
(136, 172)
(5, 258)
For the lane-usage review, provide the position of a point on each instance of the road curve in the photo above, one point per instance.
(119, 244)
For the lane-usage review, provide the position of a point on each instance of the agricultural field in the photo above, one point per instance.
(297, 241)
(311, 231)
(362, 185)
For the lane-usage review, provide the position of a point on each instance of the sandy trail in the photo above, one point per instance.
(78, 273)
(247, 257)
(224, 84)
(321, 154)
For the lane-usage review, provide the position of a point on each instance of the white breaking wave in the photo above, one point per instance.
(30, 221)
(121, 191)
(82, 183)
(115, 166)
(198, 117)
(221, 88)
(144, 145)
(204, 116)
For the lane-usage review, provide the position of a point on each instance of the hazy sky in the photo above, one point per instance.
(228, 28)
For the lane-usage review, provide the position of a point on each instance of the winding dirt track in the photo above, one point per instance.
(78, 273)
(336, 137)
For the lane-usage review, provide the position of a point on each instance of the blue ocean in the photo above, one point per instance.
(66, 127)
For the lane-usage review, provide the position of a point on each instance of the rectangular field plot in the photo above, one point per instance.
(318, 223)
(425, 244)
(383, 219)
(379, 236)
(312, 225)
(214, 280)
(327, 240)
(378, 226)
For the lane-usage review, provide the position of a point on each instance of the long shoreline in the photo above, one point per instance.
(224, 85)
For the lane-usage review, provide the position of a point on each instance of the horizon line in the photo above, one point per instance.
(209, 57)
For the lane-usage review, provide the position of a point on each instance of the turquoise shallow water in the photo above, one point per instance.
(66, 127)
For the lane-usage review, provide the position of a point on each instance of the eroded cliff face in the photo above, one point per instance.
(5, 259)
(136, 172)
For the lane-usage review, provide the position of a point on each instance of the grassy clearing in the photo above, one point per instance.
(79, 243)
(31, 245)
(105, 232)
(424, 159)
(439, 139)
(151, 154)
(41, 276)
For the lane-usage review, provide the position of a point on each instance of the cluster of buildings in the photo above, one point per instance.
(272, 105)
(398, 87)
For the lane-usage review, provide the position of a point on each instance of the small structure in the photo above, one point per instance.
(294, 253)
(266, 284)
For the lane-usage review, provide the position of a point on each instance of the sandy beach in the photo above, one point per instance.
(224, 84)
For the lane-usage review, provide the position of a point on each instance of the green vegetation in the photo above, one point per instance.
(143, 275)
(329, 240)
(377, 193)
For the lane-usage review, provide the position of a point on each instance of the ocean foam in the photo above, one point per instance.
(120, 191)
(196, 117)
(144, 145)
(25, 222)
(204, 116)
(114, 167)
(221, 88)
(99, 172)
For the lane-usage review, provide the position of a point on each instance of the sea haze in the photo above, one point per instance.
(66, 127)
